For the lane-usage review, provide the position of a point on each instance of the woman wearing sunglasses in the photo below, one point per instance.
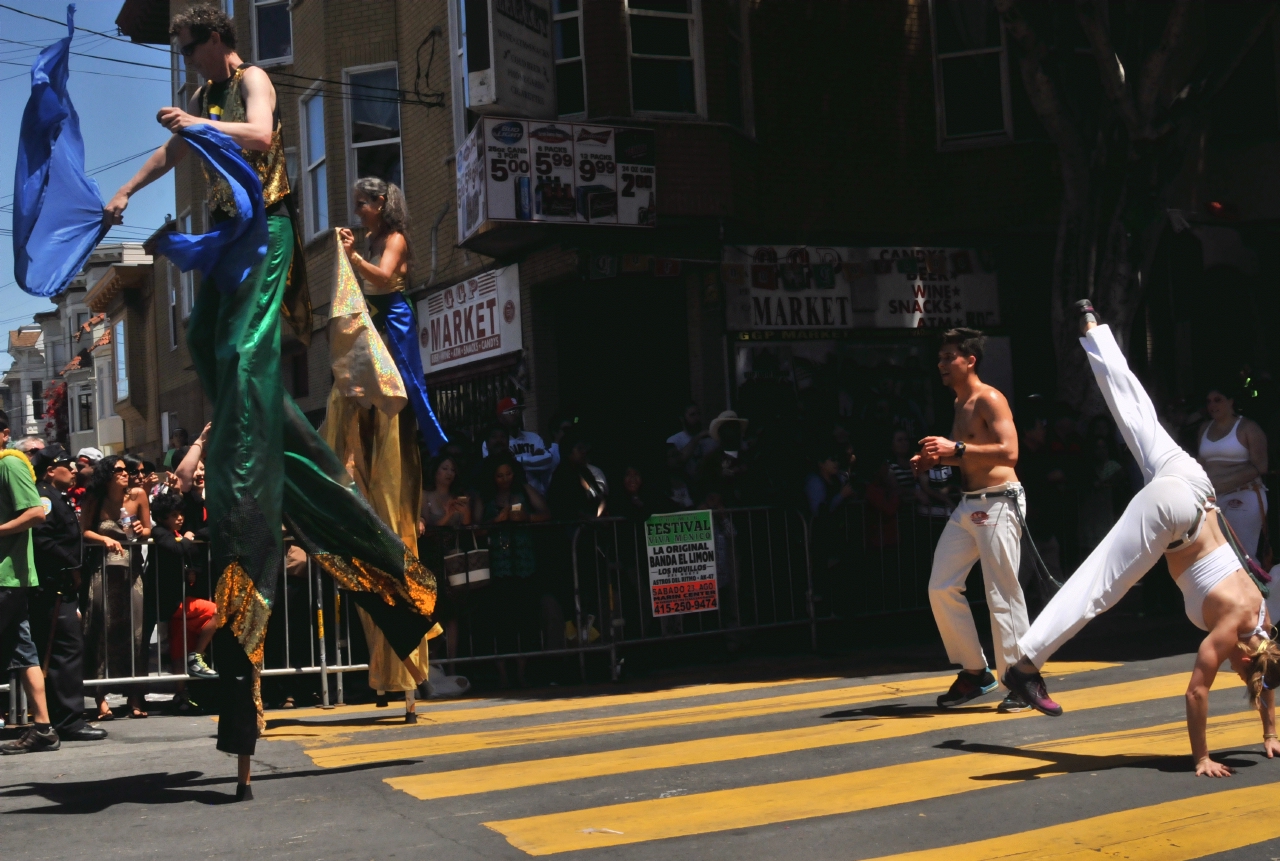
(115, 515)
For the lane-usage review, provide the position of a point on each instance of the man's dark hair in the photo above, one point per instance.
(181, 434)
(165, 504)
(968, 341)
(203, 20)
(4, 421)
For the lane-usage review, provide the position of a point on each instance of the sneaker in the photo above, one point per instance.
(197, 668)
(34, 741)
(1087, 315)
(967, 687)
(1030, 687)
(1011, 704)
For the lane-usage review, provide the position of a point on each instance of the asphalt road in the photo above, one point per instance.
(810, 766)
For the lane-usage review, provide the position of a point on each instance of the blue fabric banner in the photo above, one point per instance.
(226, 253)
(57, 209)
(402, 338)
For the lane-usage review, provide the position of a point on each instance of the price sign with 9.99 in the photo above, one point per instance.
(597, 174)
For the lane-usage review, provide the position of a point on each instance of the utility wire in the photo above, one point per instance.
(81, 29)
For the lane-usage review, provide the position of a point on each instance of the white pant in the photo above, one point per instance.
(1158, 515)
(1245, 514)
(987, 530)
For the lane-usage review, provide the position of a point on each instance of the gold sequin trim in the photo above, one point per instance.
(242, 607)
(418, 588)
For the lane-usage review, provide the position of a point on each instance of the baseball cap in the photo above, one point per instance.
(51, 455)
(93, 454)
(506, 405)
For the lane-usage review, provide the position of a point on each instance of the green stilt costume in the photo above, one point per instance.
(265, 464)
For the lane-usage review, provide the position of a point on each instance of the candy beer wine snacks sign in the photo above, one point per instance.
(682, 562)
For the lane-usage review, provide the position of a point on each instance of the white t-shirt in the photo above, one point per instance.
(705, 447)
(532, 454)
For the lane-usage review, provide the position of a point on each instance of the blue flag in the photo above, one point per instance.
(226, 253)
(57, 209)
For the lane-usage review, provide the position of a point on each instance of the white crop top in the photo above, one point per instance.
(1225, 450)
(1201, 577)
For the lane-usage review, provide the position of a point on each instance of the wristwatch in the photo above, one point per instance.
(959, 449)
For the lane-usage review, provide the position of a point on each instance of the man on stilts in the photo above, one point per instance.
(265, 464)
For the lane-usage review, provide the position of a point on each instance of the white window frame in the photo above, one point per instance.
(307, 164)
(172, 281)
(581, 59)
(180, 84)
(187, 280)
(744, 59)
(253, 27)
(120, 358)
(981, 139)
(351, 148)
(696, 55)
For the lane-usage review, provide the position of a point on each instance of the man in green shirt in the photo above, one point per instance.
(20, 510)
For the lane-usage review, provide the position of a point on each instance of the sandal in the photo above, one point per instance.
(136, 711)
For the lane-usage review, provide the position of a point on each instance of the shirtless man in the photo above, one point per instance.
(984, 527)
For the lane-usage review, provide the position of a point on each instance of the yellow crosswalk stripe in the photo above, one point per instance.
(420, 746)
(1180, 830)
(723, 810)
(513, 775)
(469, 710)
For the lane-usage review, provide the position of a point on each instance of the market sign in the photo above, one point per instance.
(681, 552)
(796, 288)
(475, 319)
(508, 57)
(511, 170)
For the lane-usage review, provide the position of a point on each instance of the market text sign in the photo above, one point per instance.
(804, 288)
(475, 319)
(682, 562)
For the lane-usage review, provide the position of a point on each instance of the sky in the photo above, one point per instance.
(117, 103)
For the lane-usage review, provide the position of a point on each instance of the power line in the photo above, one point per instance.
(91, 72)
(81, 29)
(273, 72)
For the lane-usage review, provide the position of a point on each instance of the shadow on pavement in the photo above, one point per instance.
(901, 710)
(95, 796)
(1060, 762)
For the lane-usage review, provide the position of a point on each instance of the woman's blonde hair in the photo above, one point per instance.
(1262, 672)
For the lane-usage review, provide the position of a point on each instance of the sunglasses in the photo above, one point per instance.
(189, 49)
(120, 470)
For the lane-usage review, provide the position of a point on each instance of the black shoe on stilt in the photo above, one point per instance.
(244, 792)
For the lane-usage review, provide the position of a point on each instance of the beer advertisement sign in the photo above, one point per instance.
(515, 170)
(832, 288)
(681, 551)
(472, 320)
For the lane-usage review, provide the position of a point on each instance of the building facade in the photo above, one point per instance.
(830, 185)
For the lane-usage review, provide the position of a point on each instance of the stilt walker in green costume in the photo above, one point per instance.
(265, 465)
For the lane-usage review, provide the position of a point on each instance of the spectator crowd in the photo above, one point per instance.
(141, 589)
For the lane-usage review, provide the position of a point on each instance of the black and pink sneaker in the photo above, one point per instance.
(1030, 686)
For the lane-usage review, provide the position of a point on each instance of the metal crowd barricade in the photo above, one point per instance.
(776, 569)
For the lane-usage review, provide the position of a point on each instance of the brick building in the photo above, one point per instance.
(835, 181)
